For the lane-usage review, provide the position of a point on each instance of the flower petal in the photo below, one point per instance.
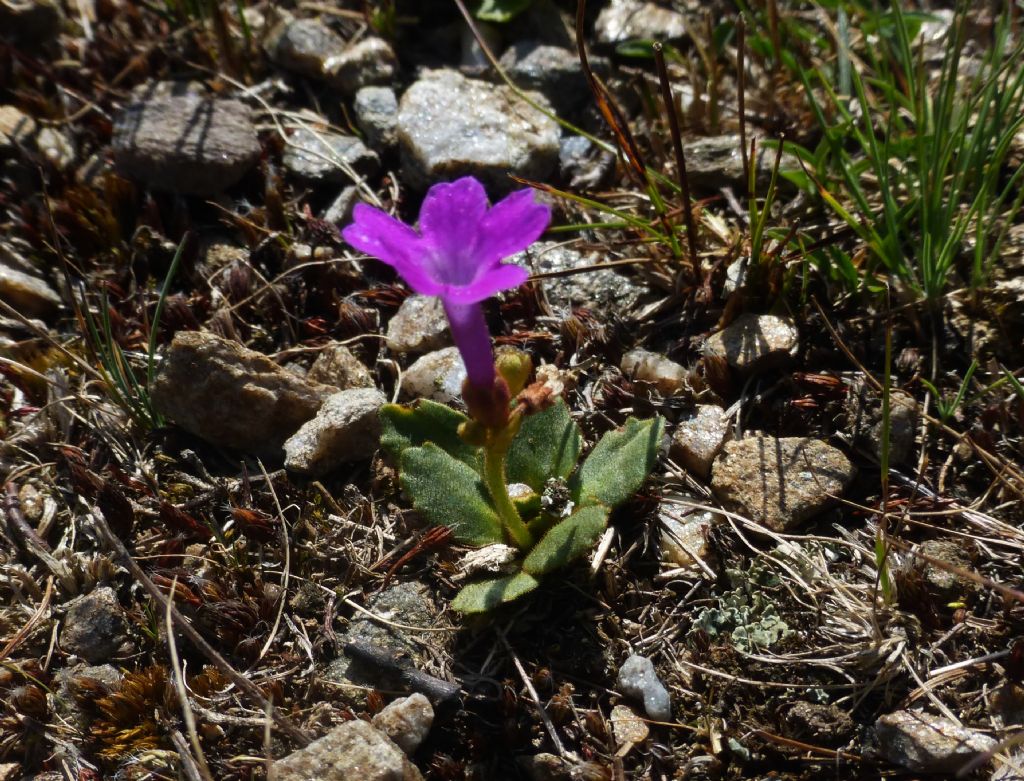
(487, 283)
(449, 221)
(383, 237)
(512, 225)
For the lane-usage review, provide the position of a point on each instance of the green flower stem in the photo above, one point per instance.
(494, 478)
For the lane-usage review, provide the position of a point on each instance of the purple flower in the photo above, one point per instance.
(457, 255)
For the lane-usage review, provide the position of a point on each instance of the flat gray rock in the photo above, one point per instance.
(376, 110)
(345, 429)
(185, 144)
(451, 126)
(303, 46)
(317, 156)
(753, 343)
(29, 293)
(923, 743)
(353, 750)
(95, 626)
(368, 61)
(780, 483)
(231, 396)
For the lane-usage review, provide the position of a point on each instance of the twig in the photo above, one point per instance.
(436, 690)
(33, 543)
(244, 684)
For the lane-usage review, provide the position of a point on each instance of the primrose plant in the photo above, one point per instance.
(507, 473)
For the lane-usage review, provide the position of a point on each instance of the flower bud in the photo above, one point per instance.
(515, 367)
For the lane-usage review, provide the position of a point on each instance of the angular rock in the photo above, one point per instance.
(419, 326)
(322, 157)
(339, 213)
(813, 722)
(553, 71)
(186, 144)
(337, 366)
(345, 429)
(16, 128)
(450, 126)
(303, 46)
(353, 750)
(95, 626)
(231, 396)
(29, 294)
(922, 743)
(780, 482)
(699, 437)
(714, 162)
(684, 538)
(376, 110)
(437, 376)
(663, 373)
(627, 20)
(406, 721)
(638, 680)
(370, 61)
(602, 290)
(755, 343)
(627, 727)
(582, 164)
(945, 586)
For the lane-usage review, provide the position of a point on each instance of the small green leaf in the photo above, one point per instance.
(405, 426)
(547, 445)
(568, 540)
(449, 493)
(488, 594)
(500, 10)
(619, 463)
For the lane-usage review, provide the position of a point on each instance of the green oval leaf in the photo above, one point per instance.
(404, 426)
(488, 594)
(567, 541)
(449, 493)
(548, 445)
(619, 463)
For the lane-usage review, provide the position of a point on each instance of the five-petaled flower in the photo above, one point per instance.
(457, 255)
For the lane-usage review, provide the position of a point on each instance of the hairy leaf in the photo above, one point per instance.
(547, 445)
(449, 493)
(619, 463)
(488, 594)
(567, 540)
(405, 426)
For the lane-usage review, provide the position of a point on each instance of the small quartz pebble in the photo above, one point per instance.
(664, 374)
(437, 376)
(353, 750)
(406, 721)
(684, 539)
(627, 726)
(699, 438)
(337, 366)
(419, 326)
(624, 20)
(923, 743)
(639, 681)
(323, 157)
(753, 343)
(345, 429)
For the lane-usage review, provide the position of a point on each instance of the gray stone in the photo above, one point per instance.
(337, 366)
(419, 326)
(817, 723)
(698, 438)
(449, 126)
(714, 162)
(186, 144)
(582, 164)
(322, 157)
(376, 110)
(303, 46)
(945, 586)
(345, 429)
(602, 290)
(437, 376)
(30, 21)
(16, 128)
(339, 213)
(353, 750)
(231, 396)
(370, 61)
(638, 680)
(406, 721)
(923, 743)
(626, 20)
(660, 371)
(553, 71)
(94, 627)
(29, 294)
(755, 343)
(780, 482)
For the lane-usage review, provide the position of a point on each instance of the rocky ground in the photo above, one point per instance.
(207, 568)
